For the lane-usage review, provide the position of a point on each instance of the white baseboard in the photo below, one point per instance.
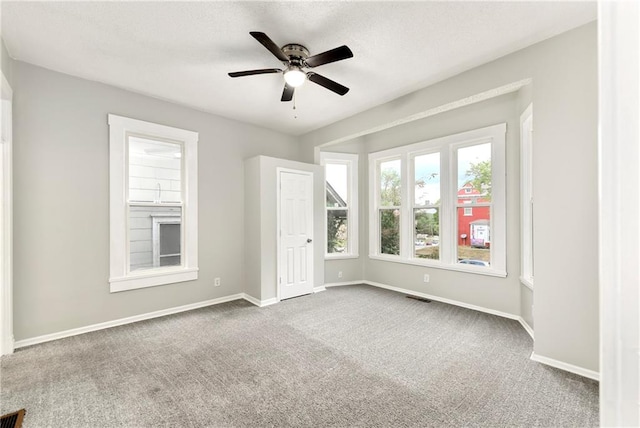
(565, 366)
(340, 284)
(259, 303)
(443, 300)
(319, 289)
(123, 321)
(538, 358)
(521, 320)
(526, 326)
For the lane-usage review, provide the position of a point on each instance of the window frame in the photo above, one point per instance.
(351, 161)
(447, 147)
(120, 276)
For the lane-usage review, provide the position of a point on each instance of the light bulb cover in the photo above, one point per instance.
(294, 76)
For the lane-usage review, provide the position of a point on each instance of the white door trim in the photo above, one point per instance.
(279, 171)
(619, 212)
(6, 216)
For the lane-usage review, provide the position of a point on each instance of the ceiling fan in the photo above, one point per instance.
(296, 59)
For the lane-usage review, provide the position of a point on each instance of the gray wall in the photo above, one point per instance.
(564, 94)
(261, 195)
(61, 220)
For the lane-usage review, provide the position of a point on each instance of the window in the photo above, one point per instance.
(153, 206)
(426, 206)
(474, 191)
(341, 191)
(526, 196)
(441, 203)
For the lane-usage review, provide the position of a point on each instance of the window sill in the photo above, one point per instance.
(527, 282)
(435, 265)
(341, 257)
(151, 279)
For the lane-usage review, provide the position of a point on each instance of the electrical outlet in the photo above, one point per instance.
(339, 274)
(426, 277)
(216, 282)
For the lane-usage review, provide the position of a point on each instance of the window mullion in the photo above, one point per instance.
(447, 202)
(406, 221)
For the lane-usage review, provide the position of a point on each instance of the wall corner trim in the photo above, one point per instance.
(565, 366)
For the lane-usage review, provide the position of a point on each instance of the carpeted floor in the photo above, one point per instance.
(350, 356)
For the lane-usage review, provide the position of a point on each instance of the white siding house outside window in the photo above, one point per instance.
(341, 196)
(153, 206)
(441, 203)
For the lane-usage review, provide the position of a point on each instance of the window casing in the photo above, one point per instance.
(440, 181)
(153, 204)
(341, 204)
(526, 196)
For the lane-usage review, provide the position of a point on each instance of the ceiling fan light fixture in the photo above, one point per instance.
(294, 76)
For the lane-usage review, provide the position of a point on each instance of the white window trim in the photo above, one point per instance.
(447, 146)
(526, 197)
(120, 278)
(351, 161)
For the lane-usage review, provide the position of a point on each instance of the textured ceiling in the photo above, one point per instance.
(182, 51)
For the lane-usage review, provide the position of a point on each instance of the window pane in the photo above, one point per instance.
(390, 183)
(154, 234)
(337, 184)
(337, 231)
(427, 179)
(474, 173)
(154, 171)
(390, 231)
(474, 236)
(426, 233)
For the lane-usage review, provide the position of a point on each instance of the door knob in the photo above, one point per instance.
(309, 240)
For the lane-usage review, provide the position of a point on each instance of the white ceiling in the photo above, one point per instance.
(182, 51)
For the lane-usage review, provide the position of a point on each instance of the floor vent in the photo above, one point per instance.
(12, 420)
(422, 299)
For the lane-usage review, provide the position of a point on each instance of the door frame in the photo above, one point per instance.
(279, 171)
(619, 210)
(6, 216)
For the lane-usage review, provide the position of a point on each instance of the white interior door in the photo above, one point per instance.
(296, 230)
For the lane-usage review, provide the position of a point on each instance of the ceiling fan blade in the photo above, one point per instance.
(270, 45)
(327, 83)
(254, 72)
(337, 54)
(287, 93)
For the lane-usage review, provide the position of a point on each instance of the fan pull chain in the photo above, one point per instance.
(295, 116)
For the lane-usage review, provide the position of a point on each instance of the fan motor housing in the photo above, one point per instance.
(295, 52)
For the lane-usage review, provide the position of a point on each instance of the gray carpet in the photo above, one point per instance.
(350, 356)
